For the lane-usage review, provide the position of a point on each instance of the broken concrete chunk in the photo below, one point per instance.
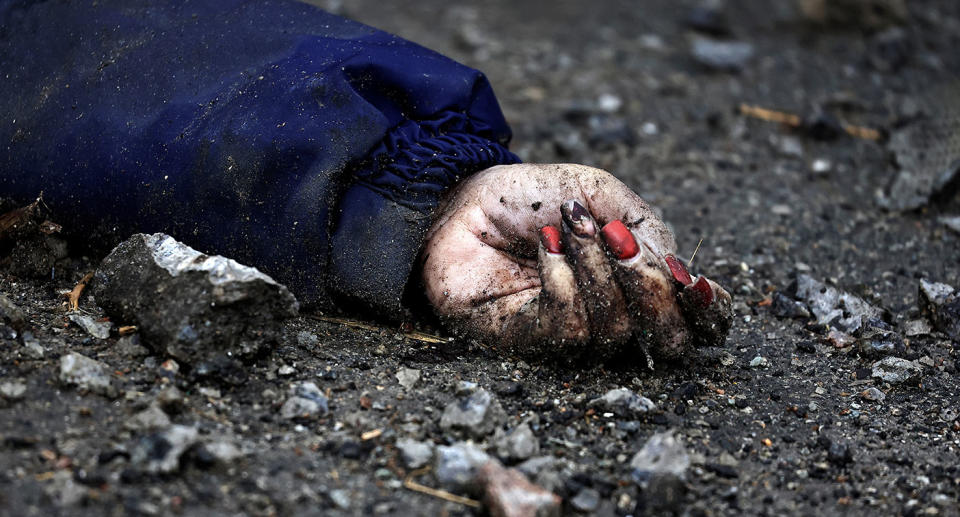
(456, 466)
(160, 452)
(414, 454)
(408, 377)
(97, 329)
(622, 402)
(10, 314)
(508, 493)
(147, 420)
(833, 306)
(306, 401)
(191, 306)
(477, 415)
(896, 370)
(662, 455)
(86, 374)
(940, 303)
(517, 444)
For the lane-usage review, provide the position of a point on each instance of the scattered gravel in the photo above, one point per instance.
(86, 374)
(476, 415)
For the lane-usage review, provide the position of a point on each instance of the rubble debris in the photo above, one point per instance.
(508, 493)
(622, 402)
(516, 444)
(721, 55)
(160, 452)
(97, 329)
(86, 374)
(474, 416)
(31, 243)
(896, 370)
(188, 305)
(873, 395)
(832, 306)
(408, 377)
(148, 419)
(11, 315)
(784, 307)
(878, 339)
(940, 303)
(12, 390)
(306, 401)
(662, 455)
(456, 465)
(413, 453)
(31, 346)
(952, 222)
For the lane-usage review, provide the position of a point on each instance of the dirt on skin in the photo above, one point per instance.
(774, 420)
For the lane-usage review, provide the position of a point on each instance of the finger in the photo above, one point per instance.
(650, 292)
(561, 314)
(708, 309)
(604, 301)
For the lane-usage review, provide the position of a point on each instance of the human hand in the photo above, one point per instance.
(518, 256)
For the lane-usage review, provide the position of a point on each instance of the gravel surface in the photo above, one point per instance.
(801, 412)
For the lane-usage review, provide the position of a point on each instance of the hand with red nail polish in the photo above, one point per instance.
(565, 261)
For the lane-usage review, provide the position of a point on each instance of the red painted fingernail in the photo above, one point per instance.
(550, 237)
(700, 292)
(620, 240)
(680, 273)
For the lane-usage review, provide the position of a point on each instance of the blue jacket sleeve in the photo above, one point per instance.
(308, 145)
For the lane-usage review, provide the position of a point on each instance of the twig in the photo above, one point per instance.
(410, 484)
(73, 297)
(690, 262)
(415, 335)
(793, 120)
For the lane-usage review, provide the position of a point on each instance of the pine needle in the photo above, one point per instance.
(690, 262)
(415, 335)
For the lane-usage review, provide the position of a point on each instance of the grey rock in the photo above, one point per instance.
(13, 390)
(896, 370)
(759, 362)
(622, 402)
(952, 222)
(465, 388)
(721, 55)
(170, 399)
(148, 419)
(456, 466)
(917, 327)
(878, 339)
(517, 444)
(408, 377)
(86, 374)
(11, 314)
(97, 329)
(477, 415)
(32, 347)
(64, 491)
(662, 455)
(923, 174)
(307, 339)
(873, 395)
(223, 451)
(587, 500)
(130, 346)
(160, 452)
(306, 401)
(508, 493)
(784, 307)
(534, 466)
(340, 498)
(940, 303)
(413, 453)
(188, 305)
(833, 306)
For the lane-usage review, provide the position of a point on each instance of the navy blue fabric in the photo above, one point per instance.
(310, 146)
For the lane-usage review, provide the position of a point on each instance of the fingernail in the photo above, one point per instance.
(620, 240)
(700, 292)
(576, 217)
(680, 273)
(550, 238)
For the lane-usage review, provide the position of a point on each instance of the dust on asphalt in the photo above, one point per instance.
(786, 418)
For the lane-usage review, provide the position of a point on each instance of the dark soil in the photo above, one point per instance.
(609, 84)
